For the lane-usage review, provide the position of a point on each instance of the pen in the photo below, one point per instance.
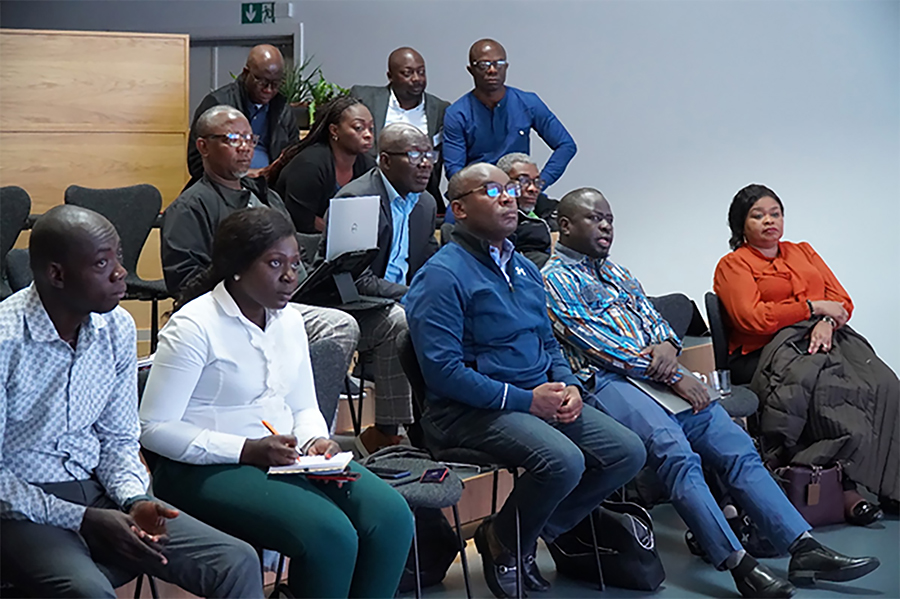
(274, 432)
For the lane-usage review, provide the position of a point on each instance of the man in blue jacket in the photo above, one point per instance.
(498, 382)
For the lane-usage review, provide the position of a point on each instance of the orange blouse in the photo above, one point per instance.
(763, 295)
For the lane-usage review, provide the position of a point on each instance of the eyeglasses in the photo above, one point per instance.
(525, 181)
(266, 83)
(236, 140)
(484, 65)
(493, 190)
(416, 156)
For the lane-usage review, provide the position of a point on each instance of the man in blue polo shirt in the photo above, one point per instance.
(494, 119)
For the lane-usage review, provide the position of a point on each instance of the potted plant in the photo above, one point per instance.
(321, 92)
(296, 87)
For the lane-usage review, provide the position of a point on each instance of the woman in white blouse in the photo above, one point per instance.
(234, 355)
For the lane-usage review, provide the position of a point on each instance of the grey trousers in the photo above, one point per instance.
(47, 561)
(332, 324)
(381, 331)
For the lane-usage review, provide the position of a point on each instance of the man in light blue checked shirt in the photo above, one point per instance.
(76, 517)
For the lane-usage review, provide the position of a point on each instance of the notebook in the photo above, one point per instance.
(316, 464)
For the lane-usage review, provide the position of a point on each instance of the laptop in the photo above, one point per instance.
(668, 399)
(352, 225)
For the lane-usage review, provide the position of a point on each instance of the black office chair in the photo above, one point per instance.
(483, 461)
(446, 232)
(18, 269)
(133, 211)
(743, 402)
(15, 205)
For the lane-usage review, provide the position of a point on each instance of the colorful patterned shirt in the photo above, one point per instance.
(601, 313)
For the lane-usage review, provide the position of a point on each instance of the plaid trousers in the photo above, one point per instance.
(380, 330)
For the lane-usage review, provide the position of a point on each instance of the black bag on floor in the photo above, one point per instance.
(628, 555)
(438, 547)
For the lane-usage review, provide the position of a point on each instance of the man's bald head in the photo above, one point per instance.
(398, 58)
(263, 74)
(576, 199)
(406, 73)
(60, 231)
(210, 121)
(399, 137)
(467, 178)
(484, 45)
(265, 57)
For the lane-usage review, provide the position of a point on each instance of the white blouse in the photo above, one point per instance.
(216, 376)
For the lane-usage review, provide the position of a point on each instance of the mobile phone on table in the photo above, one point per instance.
(434, 475)
(388, 473)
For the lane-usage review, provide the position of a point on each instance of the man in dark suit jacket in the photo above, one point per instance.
(405, 241)
(255, 93)
(404, 100)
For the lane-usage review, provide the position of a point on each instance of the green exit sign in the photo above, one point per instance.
(257, 12)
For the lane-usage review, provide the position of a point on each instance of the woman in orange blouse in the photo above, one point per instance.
(766, 284)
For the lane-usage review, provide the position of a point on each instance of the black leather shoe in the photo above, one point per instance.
(499, 569)
(531, 575)
(864, 513)
(759, 581)
(813, 561)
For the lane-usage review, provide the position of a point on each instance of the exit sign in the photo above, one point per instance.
(257, 12)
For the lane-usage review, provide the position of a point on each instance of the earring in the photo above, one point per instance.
(334, 137)
(237, 277)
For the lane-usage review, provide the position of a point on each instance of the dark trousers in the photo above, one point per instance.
(569, 468)
(47, 561)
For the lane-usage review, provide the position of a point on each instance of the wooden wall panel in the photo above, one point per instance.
(73, 81)
(46, 164)
(96, 109)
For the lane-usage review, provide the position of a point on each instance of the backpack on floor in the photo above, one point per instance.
(628, 555)
(438, 547)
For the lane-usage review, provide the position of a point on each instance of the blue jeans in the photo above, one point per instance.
(671, 443)
(569, 468)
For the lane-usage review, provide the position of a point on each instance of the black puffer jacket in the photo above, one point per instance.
(827, 407)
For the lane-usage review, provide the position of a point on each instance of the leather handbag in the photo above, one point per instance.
(628, 555)
(816, 492)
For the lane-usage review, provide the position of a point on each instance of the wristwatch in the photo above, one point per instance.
(830, 321)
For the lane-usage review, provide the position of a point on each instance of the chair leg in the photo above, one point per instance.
(416, 556)
(462, 550)
(353, 419)
(600, 585)
(154, 324)
(152, 584)
(519, 560)
(138, 586)
(279, 570)
(494, 492)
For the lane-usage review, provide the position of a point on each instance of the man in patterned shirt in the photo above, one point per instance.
(608, 328)
(75, 515)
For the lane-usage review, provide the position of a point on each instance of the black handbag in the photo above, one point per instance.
(628, 555)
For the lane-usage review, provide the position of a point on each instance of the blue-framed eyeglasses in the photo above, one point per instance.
(493, 190)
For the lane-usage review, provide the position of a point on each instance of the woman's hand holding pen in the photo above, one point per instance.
(274, 450)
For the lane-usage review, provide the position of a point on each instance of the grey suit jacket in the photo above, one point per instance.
(376, 100)
(422, 243)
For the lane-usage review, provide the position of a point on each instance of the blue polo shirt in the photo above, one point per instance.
(259, 122)
(475, 133)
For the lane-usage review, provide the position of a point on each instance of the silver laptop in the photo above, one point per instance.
(352, 225)
(668, 399)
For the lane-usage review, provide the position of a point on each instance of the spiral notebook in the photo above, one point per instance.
(316, 464)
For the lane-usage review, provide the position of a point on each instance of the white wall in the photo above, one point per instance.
(675, 106)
